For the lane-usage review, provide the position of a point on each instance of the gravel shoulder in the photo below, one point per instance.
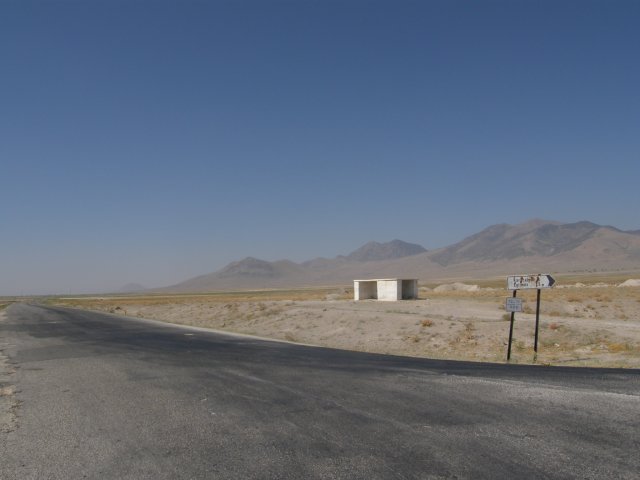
(8, 401)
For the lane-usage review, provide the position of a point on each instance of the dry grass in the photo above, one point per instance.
(7, 391)
(469, 329)
(213, 298)
(621, 347)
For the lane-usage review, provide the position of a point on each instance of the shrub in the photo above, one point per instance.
(619, 347)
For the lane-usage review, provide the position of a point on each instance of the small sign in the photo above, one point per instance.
(513, 304)
(540, 280)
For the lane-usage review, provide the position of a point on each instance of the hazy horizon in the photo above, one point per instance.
(125, 287)
(150, 142)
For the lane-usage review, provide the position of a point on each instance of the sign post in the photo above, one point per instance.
(526, 282)
(512, 306)
(535, 342)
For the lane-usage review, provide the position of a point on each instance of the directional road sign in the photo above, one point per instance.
(539, 280)
(513, 304)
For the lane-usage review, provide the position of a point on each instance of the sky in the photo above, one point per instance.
(152, 141)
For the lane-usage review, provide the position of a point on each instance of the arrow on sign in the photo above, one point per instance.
(539, 280)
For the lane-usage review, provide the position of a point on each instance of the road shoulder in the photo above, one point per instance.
(8, 401)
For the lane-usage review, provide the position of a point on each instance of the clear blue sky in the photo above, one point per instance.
(151, 141)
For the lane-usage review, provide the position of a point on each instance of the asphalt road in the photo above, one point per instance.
(107, 397)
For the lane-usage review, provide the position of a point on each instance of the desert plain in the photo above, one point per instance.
(590, 321)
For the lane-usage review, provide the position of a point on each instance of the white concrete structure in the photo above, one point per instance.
(389, 289)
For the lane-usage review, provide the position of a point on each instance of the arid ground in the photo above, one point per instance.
(583, 321)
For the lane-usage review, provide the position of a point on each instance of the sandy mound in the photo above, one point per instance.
(456, 287)
(576, 285)
(632, 282)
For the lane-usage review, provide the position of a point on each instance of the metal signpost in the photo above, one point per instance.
(513, 304)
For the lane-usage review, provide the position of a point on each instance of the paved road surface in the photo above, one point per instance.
(107, 397)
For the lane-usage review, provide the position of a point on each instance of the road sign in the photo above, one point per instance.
(520, 282)
(513, 304)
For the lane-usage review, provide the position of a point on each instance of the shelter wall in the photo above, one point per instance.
(365, 290)
(389, 290)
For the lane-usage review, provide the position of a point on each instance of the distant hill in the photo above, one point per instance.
(255, 273)
(253, 267)
(536, 245)
(504, 241)
(374, 251)
(247, 273)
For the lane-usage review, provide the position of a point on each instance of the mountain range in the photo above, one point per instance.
(534, 246)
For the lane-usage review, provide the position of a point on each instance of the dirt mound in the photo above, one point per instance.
(456, 287)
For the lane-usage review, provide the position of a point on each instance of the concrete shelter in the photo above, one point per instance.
(387, 289)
